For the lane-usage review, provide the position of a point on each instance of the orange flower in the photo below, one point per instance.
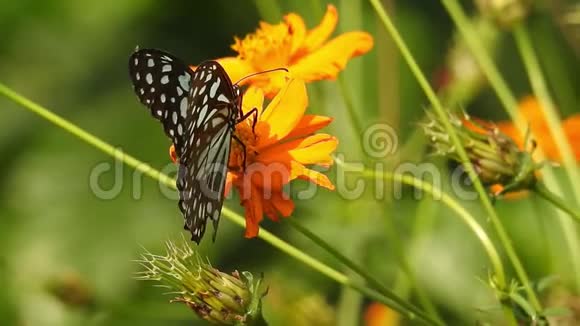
(532, 112)
(380, 315)
(306, 53)
(279, 150)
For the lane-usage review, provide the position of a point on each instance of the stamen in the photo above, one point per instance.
(244, 133)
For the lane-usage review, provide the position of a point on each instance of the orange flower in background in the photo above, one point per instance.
(279, 150)
(377, 314)
(532, 112)
(308, 54)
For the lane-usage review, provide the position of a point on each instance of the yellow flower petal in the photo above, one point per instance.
(315, 149)
(301, 172)
(236, 68)
(283, 113)
(320, 33)
(330, 59)
(308, 125)
(253, 98)
(297, 29)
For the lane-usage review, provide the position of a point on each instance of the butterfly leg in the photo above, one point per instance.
(243, 148)
(253, 112)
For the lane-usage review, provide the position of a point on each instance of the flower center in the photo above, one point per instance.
(269, 47)
(245, 134)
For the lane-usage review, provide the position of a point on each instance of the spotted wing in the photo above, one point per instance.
(163, 83)
(208, 134)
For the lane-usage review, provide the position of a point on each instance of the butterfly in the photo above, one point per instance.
(199, 110)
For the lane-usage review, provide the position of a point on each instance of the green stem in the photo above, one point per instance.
(348, 102)
(467, 218)
(442, 114)
(557, 201)
(285, 247)
(485, 62)
(430, 93)
(409, 273)
(258, 320)
(452, 204)
(350, 264)
(423, 222)
(543, 95)
(553, 121)
(231, 215)
(510, 104)
(358, 130)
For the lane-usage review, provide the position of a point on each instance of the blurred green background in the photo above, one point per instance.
(71, 56)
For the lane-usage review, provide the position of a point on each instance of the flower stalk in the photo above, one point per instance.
(486, 203)
(355, 268)
(540, 88)
(509, 102)
(454, 206)
(557, 201)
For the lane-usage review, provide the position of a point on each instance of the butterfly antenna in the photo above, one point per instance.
(259, 73)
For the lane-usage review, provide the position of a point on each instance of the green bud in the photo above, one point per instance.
(494, 156)
(220, 298)
(505, 13)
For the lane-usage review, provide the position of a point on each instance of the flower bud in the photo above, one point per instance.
(494, 156)
(505, 13)
(221, 298)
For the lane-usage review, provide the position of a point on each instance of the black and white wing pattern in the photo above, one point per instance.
(203, 165)
(198, 110)
(162, 82)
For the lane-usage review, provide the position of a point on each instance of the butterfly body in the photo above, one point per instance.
(199, 110)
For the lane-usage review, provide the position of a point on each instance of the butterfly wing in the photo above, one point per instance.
(203, 167)
(162, 83)
(198, 111)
